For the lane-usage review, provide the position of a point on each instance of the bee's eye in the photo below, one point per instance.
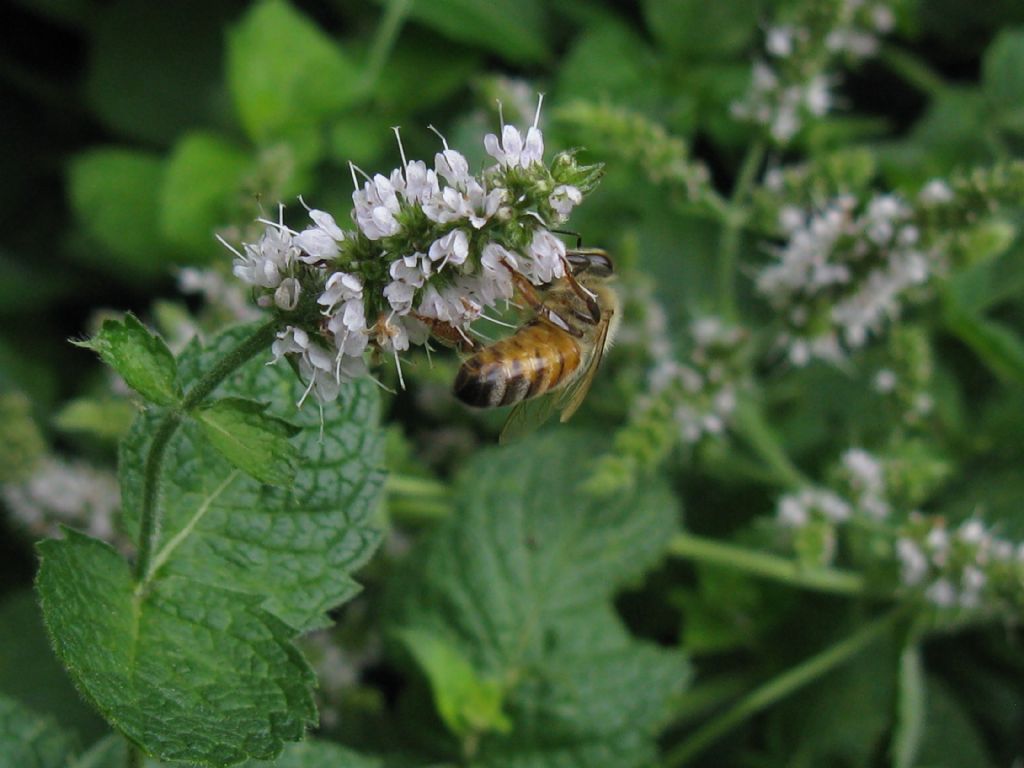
(593, 262)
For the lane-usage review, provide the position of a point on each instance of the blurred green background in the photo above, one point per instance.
(133, 131)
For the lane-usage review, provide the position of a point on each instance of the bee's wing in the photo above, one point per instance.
(528, 415)
(577, 390)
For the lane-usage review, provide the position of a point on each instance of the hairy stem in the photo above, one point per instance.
(765, 565)
(149, 525)
(780, 687)
(729, 244)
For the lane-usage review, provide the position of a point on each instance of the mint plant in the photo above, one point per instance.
(783, 529)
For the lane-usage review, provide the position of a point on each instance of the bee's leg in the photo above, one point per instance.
(448, 334)
(530, 296)
(588, 297)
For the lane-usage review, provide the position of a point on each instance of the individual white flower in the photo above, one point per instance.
(512, 151)
(319, 242)
(483, 204)
(320, 369)
(376, 206)
(546, 258)
(497, 263)
(290, 341)
(942, 594)
(779, 41)
(913, 562)
(885, 381)
(341, 288)
(420, 183)
(452, 248)
(452, 167)
(563, 199)
(265, 263)
(286, 297)
(972, 531)
(935, 192)
(818, 96)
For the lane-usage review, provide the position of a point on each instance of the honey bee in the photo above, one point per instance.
(555, 354)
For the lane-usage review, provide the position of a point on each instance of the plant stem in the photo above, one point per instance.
(912, 70)
(417, 500)
(751, 425)
(384, 41)
(766, 565)
(780, 687)
(149, 524)
(729, 244)
(134, 758)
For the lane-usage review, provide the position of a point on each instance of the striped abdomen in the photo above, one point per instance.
(535, 359)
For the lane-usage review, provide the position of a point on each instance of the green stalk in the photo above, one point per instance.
(134, 757)
(384, 41)
(752, 427)
(779, 688)
(736, 218)
(149, 525)
(765, 565)
(912, 70)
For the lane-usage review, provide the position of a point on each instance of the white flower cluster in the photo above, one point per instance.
(433, 248)
(792, 85)
(65, 492)
(703, 392)
(968, 568)
(864, 493)
(842, 274)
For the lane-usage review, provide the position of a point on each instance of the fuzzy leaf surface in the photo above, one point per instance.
(311, 753)
(196, 662)
(190, 671)
(139, 356)
(28, 740)
(294, 545)
(254, 442)
(519, 582)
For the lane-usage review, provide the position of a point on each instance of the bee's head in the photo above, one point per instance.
(591, 262)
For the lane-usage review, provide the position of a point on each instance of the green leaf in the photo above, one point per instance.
(196, 661)
(285, 74)
(112, 752)
(950, 738)
(252, 441)
(140, 357)
(114, 194)
(21, 443)
(143, 81)
(466, 702)
(200, 192)
(189, 670)
(910, 718)
(700, 29)
(514, 29)
(104, 418)
(32, 675)
(519, 584)
(997, 346)
(610, 61)
(401, 84)
(297, 545)
(28, 740)
(1002, 71)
